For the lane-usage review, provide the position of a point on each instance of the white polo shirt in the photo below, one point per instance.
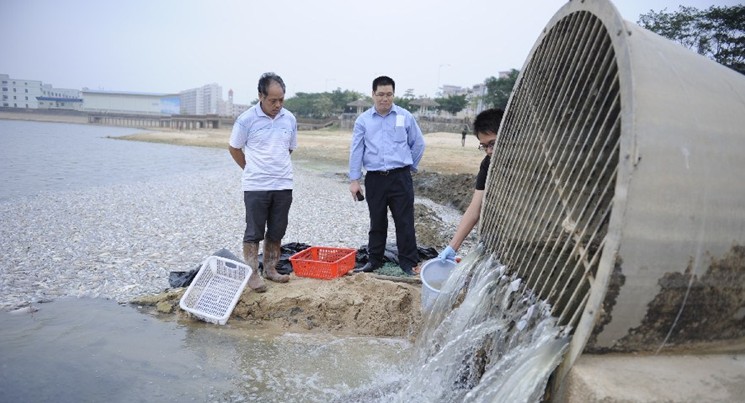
(266, 143)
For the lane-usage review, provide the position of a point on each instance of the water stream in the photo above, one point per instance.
(486, 339)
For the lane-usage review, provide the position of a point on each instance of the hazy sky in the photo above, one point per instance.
(159, 46)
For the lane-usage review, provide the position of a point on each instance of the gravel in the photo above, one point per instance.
(121, 242)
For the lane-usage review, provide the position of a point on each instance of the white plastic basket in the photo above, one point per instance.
(215, 290)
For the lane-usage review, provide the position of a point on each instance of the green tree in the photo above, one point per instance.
(717, 33)
(452, 104)
(405, 101)
(498, 90)
(340, 99)
(321, 105)
(303, 104)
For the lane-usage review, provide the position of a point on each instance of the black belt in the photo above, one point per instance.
(390, 171)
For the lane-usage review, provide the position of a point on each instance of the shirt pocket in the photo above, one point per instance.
(399, 134)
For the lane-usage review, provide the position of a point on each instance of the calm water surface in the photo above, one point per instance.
(84, 350)
(39, 157)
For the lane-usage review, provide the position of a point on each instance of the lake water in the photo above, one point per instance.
(41, 156)
(84, 350)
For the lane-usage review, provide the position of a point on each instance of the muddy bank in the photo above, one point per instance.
(356, 304)
(453, 190)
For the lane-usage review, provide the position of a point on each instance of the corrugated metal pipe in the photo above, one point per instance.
(617, 187)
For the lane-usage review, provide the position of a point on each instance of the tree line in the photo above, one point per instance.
(717, 32)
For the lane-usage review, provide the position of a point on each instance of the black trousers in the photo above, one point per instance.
(394, 191)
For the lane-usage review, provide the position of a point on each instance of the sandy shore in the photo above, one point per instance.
(444, 153)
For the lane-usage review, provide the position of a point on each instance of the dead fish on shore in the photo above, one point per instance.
(28, 309)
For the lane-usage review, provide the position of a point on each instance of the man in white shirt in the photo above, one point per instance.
(262, 140)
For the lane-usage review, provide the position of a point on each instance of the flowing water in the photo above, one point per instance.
(486, 339)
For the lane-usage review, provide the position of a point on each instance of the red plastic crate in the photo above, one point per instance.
(323, 262)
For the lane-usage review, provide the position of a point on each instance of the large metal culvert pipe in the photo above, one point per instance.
(617, 187)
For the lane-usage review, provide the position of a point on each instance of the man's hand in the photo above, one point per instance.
(238, 156)
(354, 187)
(447, 254)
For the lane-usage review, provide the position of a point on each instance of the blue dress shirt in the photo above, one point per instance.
(383, 143)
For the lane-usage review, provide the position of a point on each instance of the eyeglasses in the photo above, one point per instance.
(484, 147)
(384, 94)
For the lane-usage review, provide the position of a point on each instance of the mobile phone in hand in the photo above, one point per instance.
(360, 197)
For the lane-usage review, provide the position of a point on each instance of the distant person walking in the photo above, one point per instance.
(388, 144)
(464, 133)
(262, 140)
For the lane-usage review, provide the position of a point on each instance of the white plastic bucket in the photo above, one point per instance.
(434, 273)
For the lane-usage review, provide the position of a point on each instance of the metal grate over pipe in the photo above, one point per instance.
(552, 179)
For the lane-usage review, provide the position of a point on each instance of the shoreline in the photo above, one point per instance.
(443, 155)
(40, 116)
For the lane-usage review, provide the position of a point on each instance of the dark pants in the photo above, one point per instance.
(266, 210)
(394, 191)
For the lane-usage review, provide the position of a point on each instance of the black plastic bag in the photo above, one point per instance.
(390, 254)
(284, 266)
(178, 279)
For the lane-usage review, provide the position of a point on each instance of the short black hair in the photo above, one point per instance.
(266, 80)
(383, 80)
(488, 121)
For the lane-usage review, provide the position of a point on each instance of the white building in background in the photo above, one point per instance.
(205, 100)
(232, 109)
(476, 99)
(137, 103)
(33, 94)
(451, 90)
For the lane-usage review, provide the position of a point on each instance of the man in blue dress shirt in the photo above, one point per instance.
(388, 144)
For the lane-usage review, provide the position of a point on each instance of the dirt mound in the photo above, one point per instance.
(358, 304)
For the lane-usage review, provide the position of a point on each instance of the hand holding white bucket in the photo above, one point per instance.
(434, 273)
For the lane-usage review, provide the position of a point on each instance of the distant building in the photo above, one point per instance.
(451, 90)
(205, 100)
(33, 94)
(232, 109)
(121, 102)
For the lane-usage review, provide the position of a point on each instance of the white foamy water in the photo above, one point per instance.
(486, 339)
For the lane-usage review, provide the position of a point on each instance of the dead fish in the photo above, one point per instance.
(28, 309)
